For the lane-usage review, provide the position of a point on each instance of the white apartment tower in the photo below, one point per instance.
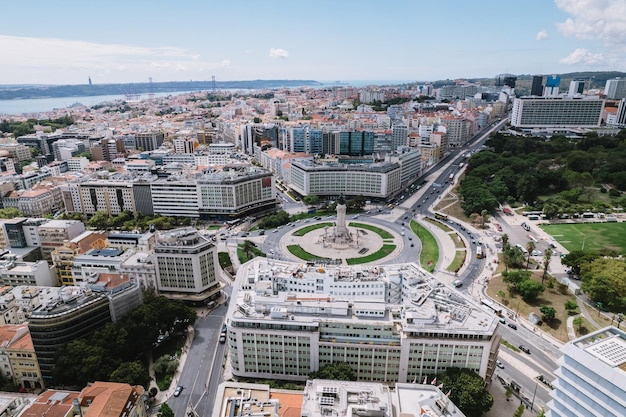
(591, 379)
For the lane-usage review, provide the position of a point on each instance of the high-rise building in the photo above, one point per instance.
(305, 139)
(553, 82)
(53, 233)
(399, 135)
(149, 141)
(576, 87)
(591, 378)
(615, 89)
(554, 112)
(536, 88)
(356, 143)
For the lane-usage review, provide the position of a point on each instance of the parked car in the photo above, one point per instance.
(178, 390)
(512, 326)
(499, 364)
(222, 339)
(502, 320)
(524, 349)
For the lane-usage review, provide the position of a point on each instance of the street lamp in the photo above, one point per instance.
(619, 318)
(532, 403)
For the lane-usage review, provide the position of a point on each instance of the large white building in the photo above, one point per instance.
(371, 180)
(392, 323)
(591, 379)
(531, 112)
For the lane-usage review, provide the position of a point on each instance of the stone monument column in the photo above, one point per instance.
(341, 230)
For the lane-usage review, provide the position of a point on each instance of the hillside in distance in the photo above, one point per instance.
(12, 92)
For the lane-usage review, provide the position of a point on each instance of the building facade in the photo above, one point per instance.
(186, 265)
(372, 180)
(396, 323)
(531, 112)
(591, 378)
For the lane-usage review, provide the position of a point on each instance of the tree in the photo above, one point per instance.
(547, 256)
(541, 413)
(467, 391)
(310, 200)
(508, 393)
(530, 289)
(548, 312)
(10, 213)
(165, 411)
(505, 242)
(578, 322)
(576, 259)
(603, 281)
(338, 371)
(530, 247)
(519, 412)
(515, 277)
(514, 257)
(133, 373)
(571, 306)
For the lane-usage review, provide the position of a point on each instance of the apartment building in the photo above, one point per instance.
(63, 256)
(533, 112)
(53, 233)
(615, 89)
(15, 271)
(591, 378)
(234, 192)
(38, 201)
(394, 323)
(141, 267)
(186, 265)
(305, 139)
(176, 195)
(96, 261)
(371, 180)
(70, 313)
(16, 303)
(18, 361)
(149, 141)
(111, 197)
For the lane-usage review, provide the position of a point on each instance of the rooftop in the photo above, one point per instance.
(607, 345)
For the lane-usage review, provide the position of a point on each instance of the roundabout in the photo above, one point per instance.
(343, 243)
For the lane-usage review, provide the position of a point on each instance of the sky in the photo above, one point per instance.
(113, 41)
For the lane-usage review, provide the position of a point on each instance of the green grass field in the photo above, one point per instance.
(307, 229)
(430, 250)
(297, 250)
(589, 236)
(379, 254)
(383, 233)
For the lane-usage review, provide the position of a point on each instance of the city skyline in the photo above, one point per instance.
(70, 42)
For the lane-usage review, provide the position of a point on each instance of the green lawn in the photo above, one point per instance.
(297, 250)
(307, 229)
(457, 262)
(430, 249)
(383, 233)
(589, 236)
(379, 254)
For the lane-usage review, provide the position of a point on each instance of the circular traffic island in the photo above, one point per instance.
(356, 243)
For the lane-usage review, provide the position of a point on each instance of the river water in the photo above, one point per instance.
(39, 105)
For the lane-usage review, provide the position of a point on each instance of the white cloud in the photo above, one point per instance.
(583, 56)
(594, 19)
(78, 58)
(541, 35)
(279, 53)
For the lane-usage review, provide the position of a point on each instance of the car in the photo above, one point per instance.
(524, 349)
(552, 245)
(275, 231)
(512, 326)
(223, 328)
(406, 217)
(410, 238)
(261, 232)
(502, 320)
(536, 253)
(223, 339)
(499, 364)
(412, 245)
(457, 283)
(178, 390)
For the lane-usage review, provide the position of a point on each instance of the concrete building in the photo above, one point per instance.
(141, 267)
(235, 192)
(97, 261)
(14, 271)
(77, 163)
(532, 112)
(71, 314)
(149, 141)
(186, 265)
(399, 135)
(371, 180)
(176, 195)
(124, 293)
(305, 139)
(591, 378)
(395, 323)
(615, 89)
(53, 233)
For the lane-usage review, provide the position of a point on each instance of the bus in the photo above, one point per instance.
(441, 216)
(479, 252)
(492, 306)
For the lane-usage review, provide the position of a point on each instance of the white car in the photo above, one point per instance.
(499, 365)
